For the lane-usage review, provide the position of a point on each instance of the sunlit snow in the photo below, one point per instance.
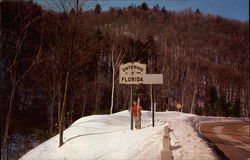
(110, 137)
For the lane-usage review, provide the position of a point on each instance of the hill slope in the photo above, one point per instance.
(110, 137)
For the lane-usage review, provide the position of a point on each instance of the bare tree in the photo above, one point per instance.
(17, 75)
(67, 55)
(117, 57)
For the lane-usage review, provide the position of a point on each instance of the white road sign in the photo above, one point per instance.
(152, 79)
(132, 73)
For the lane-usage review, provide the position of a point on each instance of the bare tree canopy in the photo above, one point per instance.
(60, 65)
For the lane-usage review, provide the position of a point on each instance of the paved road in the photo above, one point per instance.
(231, 138)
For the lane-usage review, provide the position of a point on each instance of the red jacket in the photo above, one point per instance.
(135, 110)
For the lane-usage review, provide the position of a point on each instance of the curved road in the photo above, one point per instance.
(231, 138)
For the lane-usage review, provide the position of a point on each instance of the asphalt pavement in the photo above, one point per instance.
(231, 139)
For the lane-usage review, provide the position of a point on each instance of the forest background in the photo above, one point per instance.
(59, 66)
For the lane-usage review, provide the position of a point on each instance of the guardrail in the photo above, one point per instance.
(166, 153)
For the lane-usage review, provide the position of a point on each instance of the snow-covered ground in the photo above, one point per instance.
(109, 137)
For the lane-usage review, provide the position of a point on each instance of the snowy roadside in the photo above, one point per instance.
(110, 137)
(186, 144)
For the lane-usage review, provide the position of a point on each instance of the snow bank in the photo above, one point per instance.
(110, 137)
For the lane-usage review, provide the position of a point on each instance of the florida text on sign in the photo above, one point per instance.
(132, 73)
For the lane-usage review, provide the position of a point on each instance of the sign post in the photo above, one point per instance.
(131, 106)
(153, 106)
(135, 73)
(153, 79)
(132, 73)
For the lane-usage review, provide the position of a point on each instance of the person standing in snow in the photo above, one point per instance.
(136, 111)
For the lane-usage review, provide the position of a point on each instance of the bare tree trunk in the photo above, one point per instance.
(59, 109)
(192, 106)
(182, 101)
(83, 107)
(113, 79)
(52, 114)
(115, 62)
(113, 89)
(230, 92)
(71, 111)
(60, 134)
(65, 96)
(97, 93)
(62, 116)
(117, 97)
(16, 81)
(84, 101)
(169, 91)
(6, 129)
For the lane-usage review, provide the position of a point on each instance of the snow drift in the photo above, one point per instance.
(110, 137)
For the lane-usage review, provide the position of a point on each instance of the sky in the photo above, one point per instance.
(232, 9)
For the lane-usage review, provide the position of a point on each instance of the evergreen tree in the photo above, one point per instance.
(235, 112)
(156, 8)
(197, 11)
(144, 6)
(98, 8)
(198, 110)
(221, 106)
(98, 34)
(210, 104)
(163, 9)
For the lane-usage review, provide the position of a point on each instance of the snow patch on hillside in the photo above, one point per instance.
(110, 137)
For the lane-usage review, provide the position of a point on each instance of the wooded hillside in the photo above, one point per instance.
(59, 66)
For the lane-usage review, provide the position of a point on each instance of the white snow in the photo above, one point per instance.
(109, 137)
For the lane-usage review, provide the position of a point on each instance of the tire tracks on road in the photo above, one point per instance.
(230, 138)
